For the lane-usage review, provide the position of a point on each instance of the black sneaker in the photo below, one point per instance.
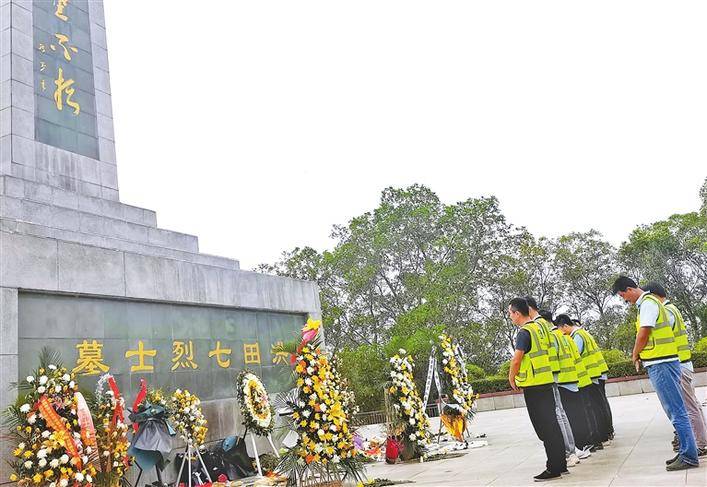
(546, 475)
(702, 452)
(679, 465)
(668, 462)
(565, 472)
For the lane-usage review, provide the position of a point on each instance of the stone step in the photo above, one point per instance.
(44, 193)
(26, 228)
(80, 221)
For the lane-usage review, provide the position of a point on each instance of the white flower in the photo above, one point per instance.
(412, 420)
(43, 380)
(63, 482)
(402, 351)
(42, 453)
(84, 459)
(54, 463)
(323, 407)
(89, 479)
(21, 446)
(52, 484)
(28, 464)
(51, 367)
(30, 379)
(64, 458)
(412, 436)
(66, 377)
(41, 389)
(79, 476)
(43, 462)
(115, 464)
(72, 384)
(336, 459)
(46, 434)
(106, 453)
(306, 413)
(89, 450)
(32, 418)
(25, 408)
(57, 389)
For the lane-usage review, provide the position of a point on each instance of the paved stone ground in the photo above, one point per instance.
(514, 454)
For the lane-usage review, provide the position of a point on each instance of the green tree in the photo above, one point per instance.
(587, 265)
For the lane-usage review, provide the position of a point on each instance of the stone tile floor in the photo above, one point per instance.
(514, 454)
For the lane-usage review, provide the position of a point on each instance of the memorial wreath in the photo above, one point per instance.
(258, 414)
(408, 419)
(56, 443)
(111, 432)
(187, 417)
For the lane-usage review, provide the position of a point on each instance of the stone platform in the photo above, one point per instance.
(514, 454)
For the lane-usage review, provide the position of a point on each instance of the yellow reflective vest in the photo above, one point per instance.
(535, 366)
(661, 341)
(590, 354)
(583, 379)
(551, 342)
(568, 369)
(680, 332)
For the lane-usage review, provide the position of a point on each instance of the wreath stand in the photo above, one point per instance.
(188, 458)
(433, 373)
(255, 450)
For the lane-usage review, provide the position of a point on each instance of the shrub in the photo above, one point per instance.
(475, 372)
(699, 359)
(701, 345)
(613, 356)
(625, 368)
(504, 369)
(491, 384)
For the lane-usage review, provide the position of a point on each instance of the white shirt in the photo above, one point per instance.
(685, 365)
(648, 312)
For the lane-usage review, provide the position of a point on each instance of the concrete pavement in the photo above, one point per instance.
(514, 454)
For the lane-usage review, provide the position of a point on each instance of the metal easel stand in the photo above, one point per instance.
(255, 451)
(188, 458)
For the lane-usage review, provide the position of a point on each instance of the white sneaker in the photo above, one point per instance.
(572, 460)
(582, 454)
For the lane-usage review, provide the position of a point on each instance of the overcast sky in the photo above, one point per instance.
(257, 125)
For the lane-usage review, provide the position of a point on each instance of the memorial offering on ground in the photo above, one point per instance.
(407, 421)
(258, 414)
(51, 430)
(324, 451)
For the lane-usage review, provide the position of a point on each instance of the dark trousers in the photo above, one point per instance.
(597, 402)
(585, 394)
(540, 403)
(577, 414)
(607, 409)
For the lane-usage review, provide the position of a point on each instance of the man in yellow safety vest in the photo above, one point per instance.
(530, 370)
(655, 347)
(692, 404)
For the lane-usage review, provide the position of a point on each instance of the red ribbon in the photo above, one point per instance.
(118, 411)
(138, 400)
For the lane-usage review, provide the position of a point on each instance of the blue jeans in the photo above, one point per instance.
(665, 378)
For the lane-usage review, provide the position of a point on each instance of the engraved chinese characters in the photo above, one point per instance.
(195, 347)
(65, 108)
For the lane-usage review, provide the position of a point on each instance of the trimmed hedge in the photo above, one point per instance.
(624, 368)
(490, 384)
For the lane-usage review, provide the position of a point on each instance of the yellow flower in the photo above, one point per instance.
(13, 477)
(37, 478)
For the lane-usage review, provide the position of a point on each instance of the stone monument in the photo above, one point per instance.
(97, 279)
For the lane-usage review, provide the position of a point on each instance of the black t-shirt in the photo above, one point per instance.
(523, 341)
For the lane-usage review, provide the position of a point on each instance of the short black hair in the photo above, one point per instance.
(531, 302)
(622, 283)
(563, 320)
(520, 305)
(576, 322)
(546, 314)
(654, 287)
